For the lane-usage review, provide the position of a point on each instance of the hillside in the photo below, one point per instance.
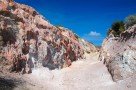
(29, 37)
(119, 54)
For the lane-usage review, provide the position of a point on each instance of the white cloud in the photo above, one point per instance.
(94, 37)
(94, 34)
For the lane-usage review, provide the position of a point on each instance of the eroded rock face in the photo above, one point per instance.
(119, 54)
(37, 41)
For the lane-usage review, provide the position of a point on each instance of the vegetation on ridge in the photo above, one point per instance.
(130, 21)
(120, 26)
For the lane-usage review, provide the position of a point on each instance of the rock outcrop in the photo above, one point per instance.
(119, 54)
(26, 35)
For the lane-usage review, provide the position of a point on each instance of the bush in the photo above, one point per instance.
(130, 21)
(117, 28)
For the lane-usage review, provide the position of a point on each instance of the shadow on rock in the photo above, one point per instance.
(7, 84)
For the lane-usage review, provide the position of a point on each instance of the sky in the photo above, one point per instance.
(90, 19)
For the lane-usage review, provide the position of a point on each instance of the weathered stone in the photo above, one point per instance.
(119, 53)
(31, 35)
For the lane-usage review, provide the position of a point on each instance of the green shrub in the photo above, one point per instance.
(117, 28)
(130, 21)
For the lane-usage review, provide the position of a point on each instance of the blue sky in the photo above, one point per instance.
(90, 19)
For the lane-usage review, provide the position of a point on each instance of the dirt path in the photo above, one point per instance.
(88, 74)
(82, 75)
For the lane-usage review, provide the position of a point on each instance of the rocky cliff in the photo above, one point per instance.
(26, 37)
(119, 54)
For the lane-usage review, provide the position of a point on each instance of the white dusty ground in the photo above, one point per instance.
(89, 74)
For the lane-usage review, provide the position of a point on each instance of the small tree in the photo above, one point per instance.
(116, 28)
(130, 21)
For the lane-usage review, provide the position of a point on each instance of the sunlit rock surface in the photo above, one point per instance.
(28, 36)
(119, 54)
